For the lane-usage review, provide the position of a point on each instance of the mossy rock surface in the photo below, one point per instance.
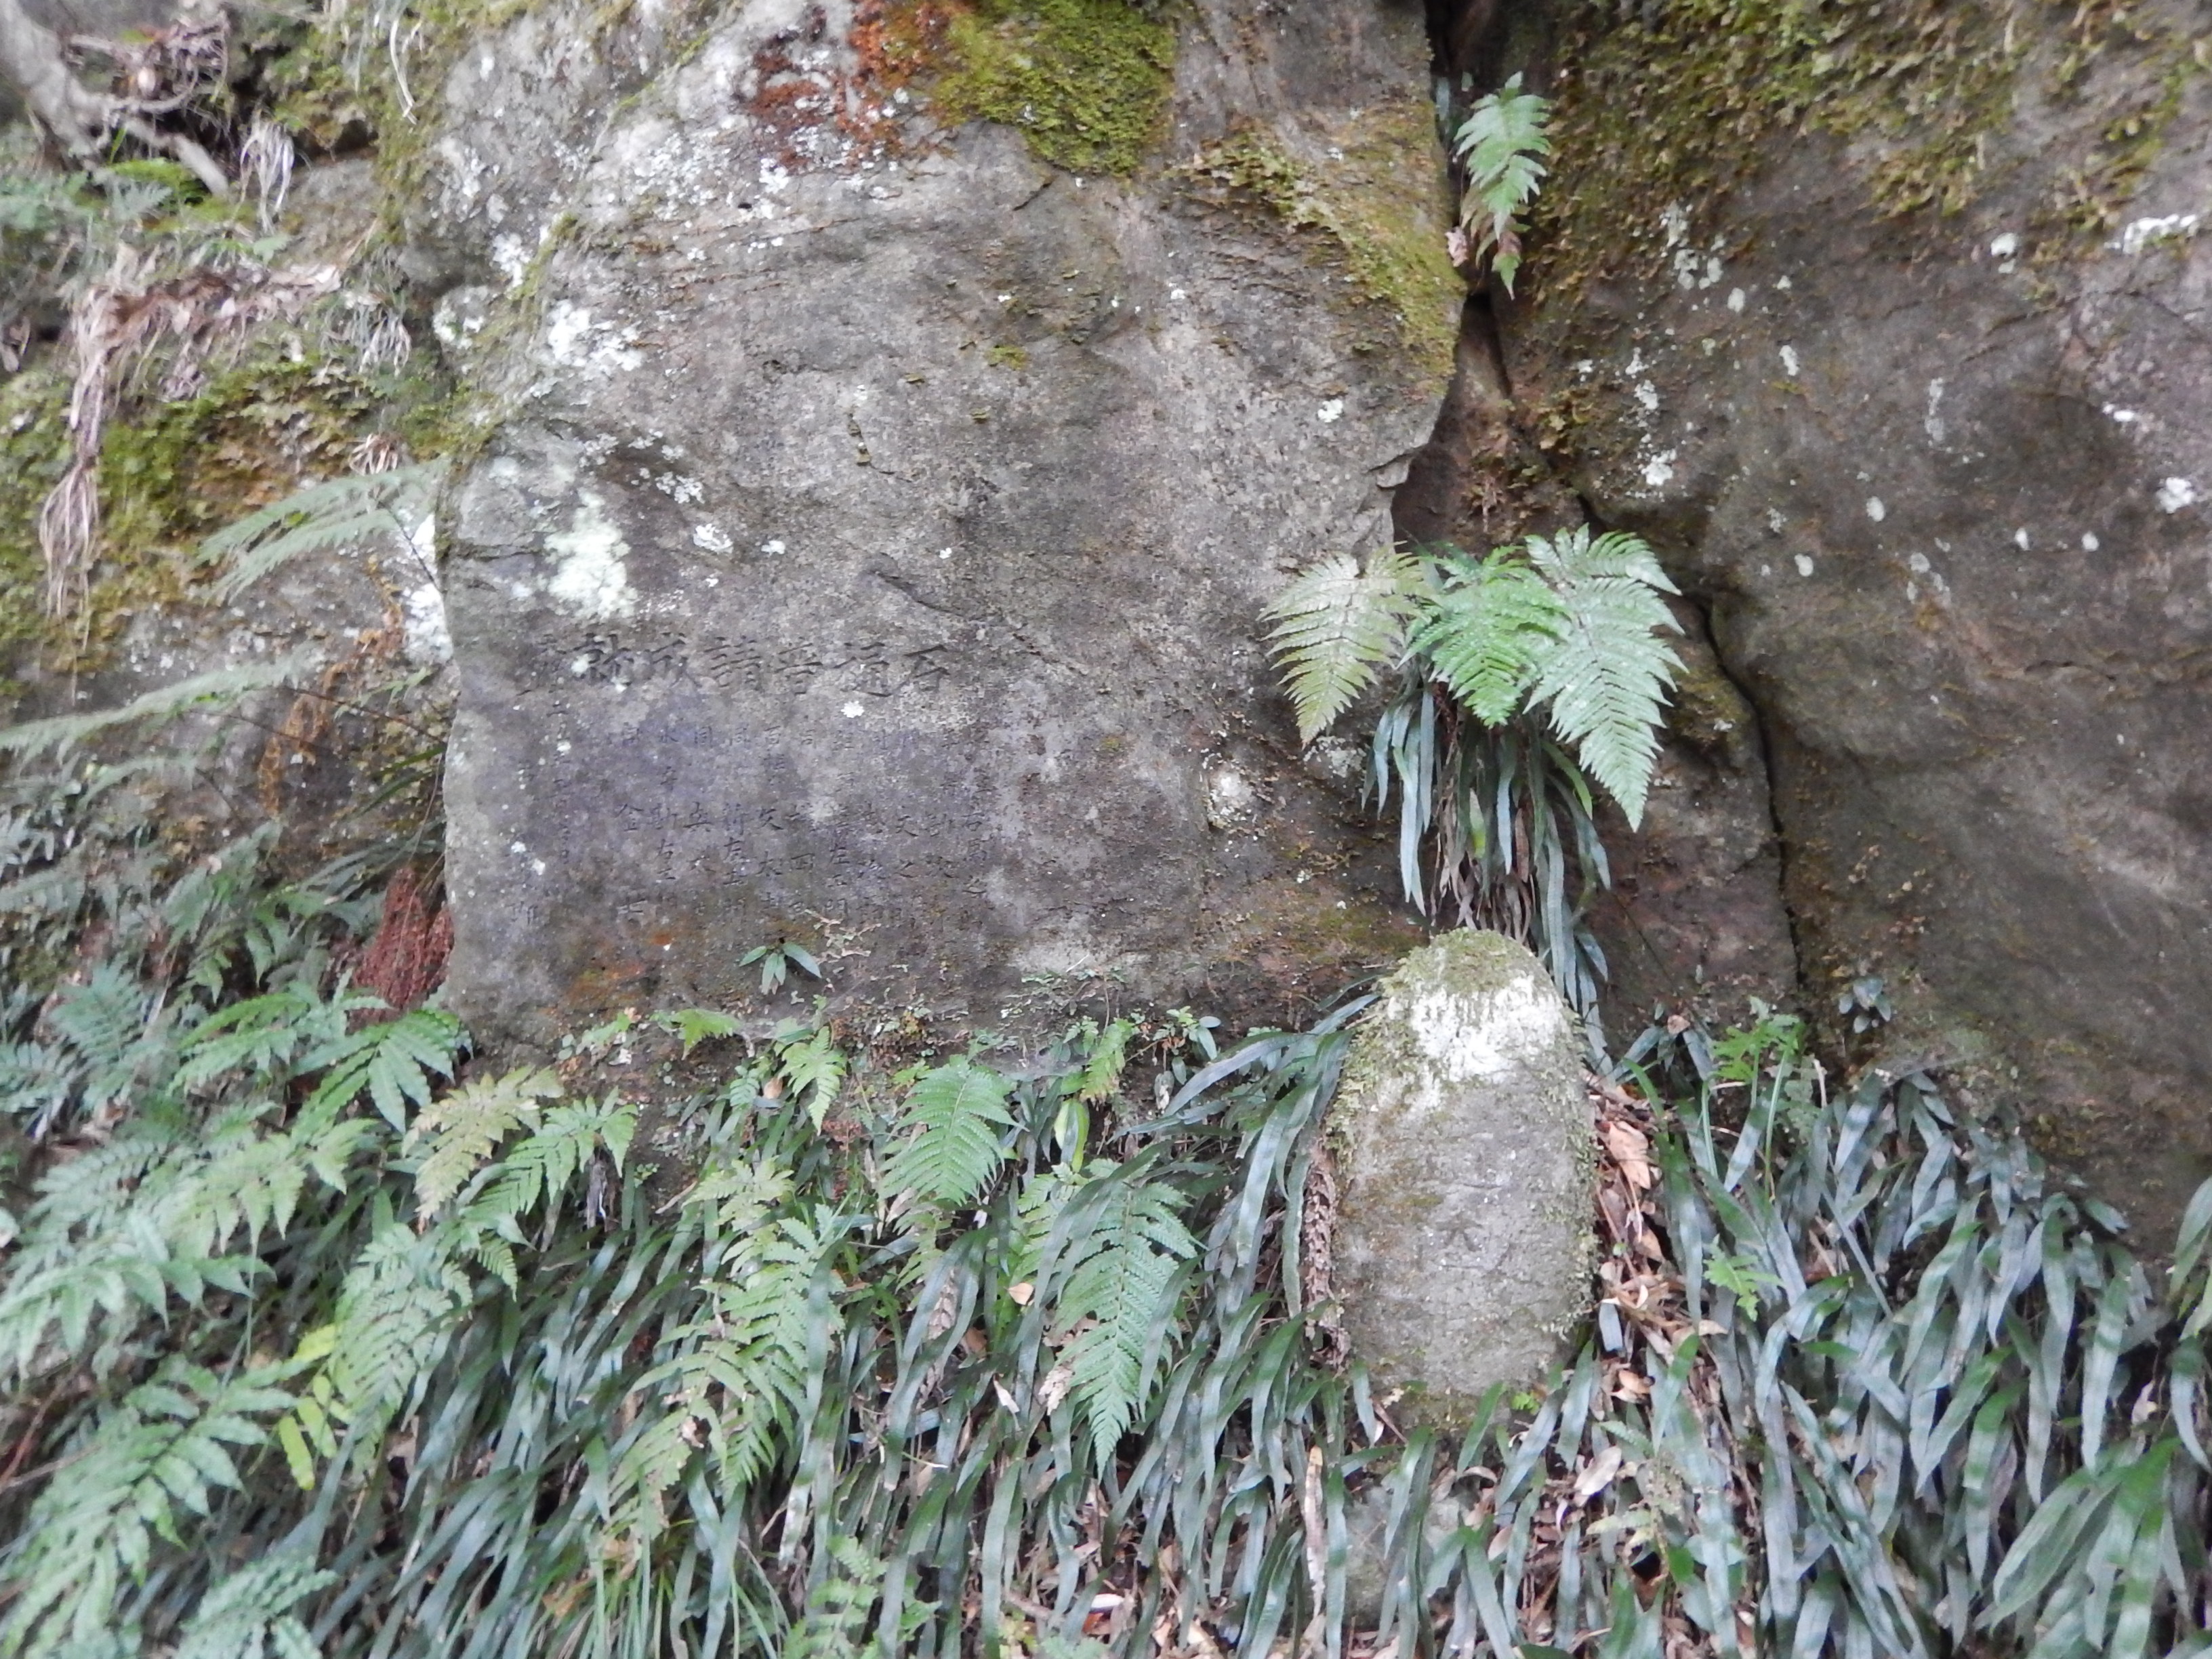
(1463, 1246)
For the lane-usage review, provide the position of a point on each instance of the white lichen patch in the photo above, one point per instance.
(2174, 494)
(1482, 1037)
(1230, 801)
(712, 538)
(2139, 233)
(575, 340)
(1659, 470)
(591, 578)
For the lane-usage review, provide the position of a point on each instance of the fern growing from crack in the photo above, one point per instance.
(1501, 147)
(1526, 677)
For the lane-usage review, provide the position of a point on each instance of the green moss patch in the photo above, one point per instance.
(1379, 201)
(1671, 111)
(1087, 81)
(34, 451)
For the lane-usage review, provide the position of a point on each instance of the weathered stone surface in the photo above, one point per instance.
(1463, 1248)
(875, 540)
(1695, 920)
(1941, 485)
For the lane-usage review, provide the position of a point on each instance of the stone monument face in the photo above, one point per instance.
(1463, 1246)
(877, 551)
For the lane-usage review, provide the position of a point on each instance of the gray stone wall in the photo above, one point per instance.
(874, 539)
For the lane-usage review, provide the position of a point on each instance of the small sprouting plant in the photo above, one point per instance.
(1501, 145)
(1865, 1003)
(775, 962)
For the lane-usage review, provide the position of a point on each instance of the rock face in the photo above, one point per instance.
(872, 544)
(1464, 1248)
(1891, 343)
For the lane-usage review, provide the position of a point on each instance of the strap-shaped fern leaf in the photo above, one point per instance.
(1501, 144)
(1336, 625)
(957, 1111)
(1486, 631)
(1604, 679)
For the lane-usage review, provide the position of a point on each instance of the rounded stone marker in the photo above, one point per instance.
(1463, 1245)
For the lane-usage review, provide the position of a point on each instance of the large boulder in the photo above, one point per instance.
(1885, 326)
(871, 545)
(1463, 1246)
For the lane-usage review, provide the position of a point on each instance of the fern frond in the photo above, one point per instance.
(394, 1061)
(745, 1376)
(957, 1112)
(815, 1069)
(1483, 632)
(103, 1017)
(395, 1310)
(221, 685)
(540, 1168)
(166, 1446)
(696, 1025)
(261, 1036)
(462, 1130)
(1336, 625)
(1101, 1075)
(248, 1615)
(350, 509)
(1604, 680)
(1501, 144)
(834, 1622)
(1130, 1270)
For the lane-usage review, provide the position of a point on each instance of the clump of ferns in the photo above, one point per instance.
(1525, 683)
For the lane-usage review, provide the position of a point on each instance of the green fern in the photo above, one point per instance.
(372, 506)
(814, 1068)
(216, 687)
(1501, 144)
(1124, 1274)
(956, 1113)
(838, 1605)
(248, 1615)
(1486, 632)
(694, 1026)
(396, 1307)
(166, 1448)
(741, 1383)
(1604, 679)
(1337, 626)
(394, 1061)
(462, 1130)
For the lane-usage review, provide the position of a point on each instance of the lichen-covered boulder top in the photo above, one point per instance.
(1886, 322)
(873, 534)
(1461, 1136)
